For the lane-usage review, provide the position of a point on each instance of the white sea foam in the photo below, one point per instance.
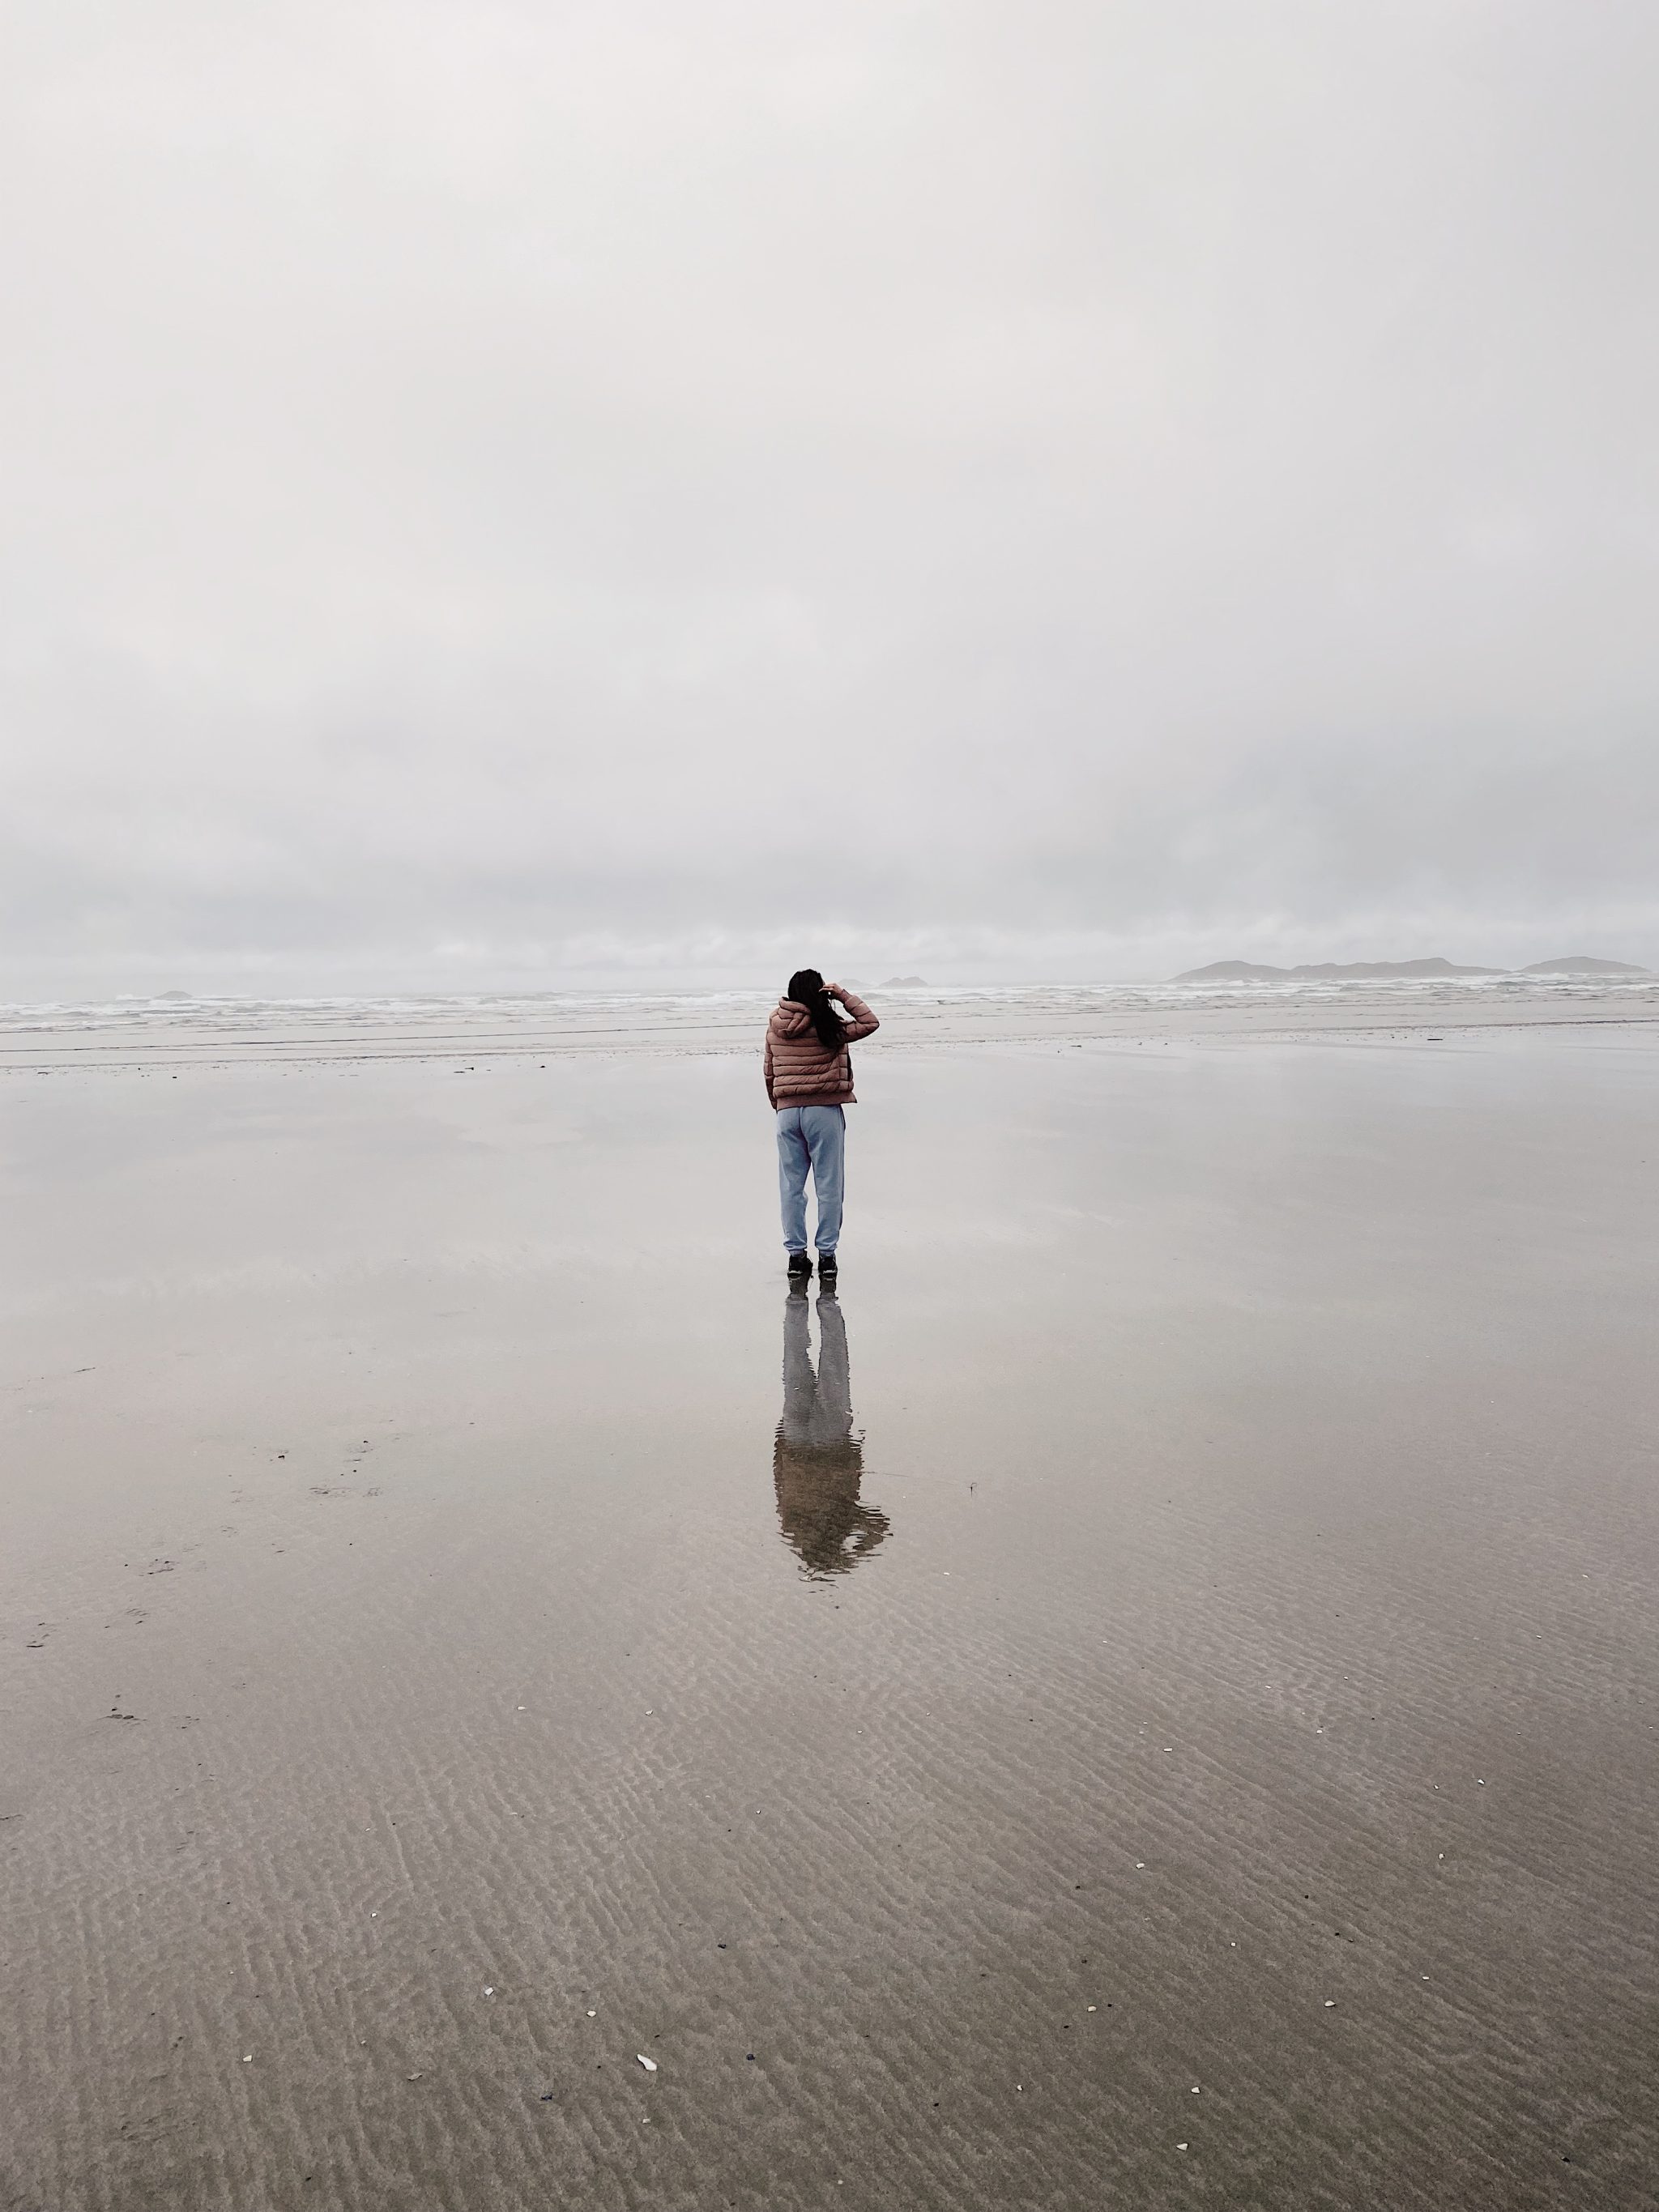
(227, 1030)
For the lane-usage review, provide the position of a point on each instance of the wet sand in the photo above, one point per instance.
(1161, 1713)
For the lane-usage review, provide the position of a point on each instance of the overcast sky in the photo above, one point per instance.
(497, 488)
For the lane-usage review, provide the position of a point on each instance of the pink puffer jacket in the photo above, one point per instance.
(801, 1072)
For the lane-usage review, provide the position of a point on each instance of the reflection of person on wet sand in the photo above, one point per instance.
(818, 1463)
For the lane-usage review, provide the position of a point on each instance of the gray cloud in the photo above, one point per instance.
(493, 489)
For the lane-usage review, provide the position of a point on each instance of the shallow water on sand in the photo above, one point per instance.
(1146, 1695)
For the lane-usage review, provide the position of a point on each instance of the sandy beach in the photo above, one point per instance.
(1186, 1738)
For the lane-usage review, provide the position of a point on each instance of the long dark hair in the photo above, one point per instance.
(806, 989)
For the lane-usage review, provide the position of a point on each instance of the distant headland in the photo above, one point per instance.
(1357, 971)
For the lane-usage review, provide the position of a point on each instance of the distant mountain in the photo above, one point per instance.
(1231, 971)
(1581, 963)
(905, 983)
(1326, 971)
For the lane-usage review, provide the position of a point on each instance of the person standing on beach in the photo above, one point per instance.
(808, 1080)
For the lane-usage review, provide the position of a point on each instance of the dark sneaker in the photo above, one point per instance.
(800, 1265)
(826, 1267)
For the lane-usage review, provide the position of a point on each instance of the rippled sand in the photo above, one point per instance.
(1160, 1713)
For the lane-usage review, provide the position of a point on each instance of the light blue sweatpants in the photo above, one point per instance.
(814, 1137)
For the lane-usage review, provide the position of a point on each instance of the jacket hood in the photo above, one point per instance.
(790, 1018)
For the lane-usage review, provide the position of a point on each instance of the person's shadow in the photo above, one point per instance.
(818, 1460)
